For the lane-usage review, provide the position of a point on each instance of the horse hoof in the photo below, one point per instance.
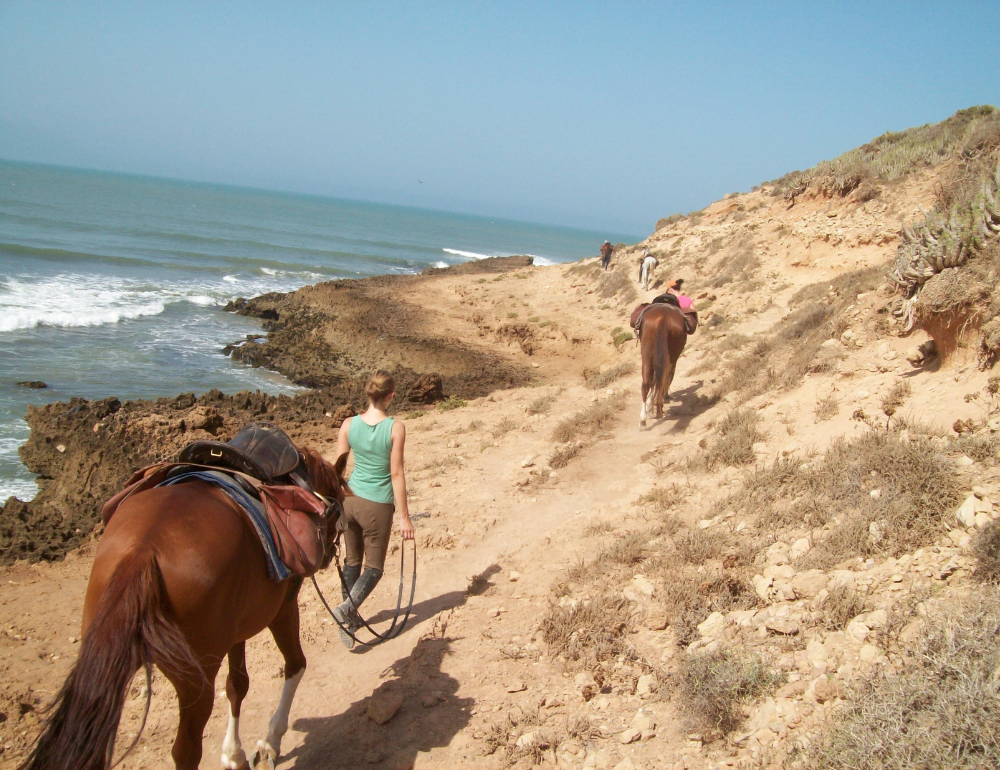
(264, 757)
(236, 762)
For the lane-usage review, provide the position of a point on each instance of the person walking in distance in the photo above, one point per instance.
(606, 251)
(379, 487)
(647, 264)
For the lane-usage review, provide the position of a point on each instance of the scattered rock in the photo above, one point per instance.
(427, 389)
(528, 461)
(630, 735)
(966, 513)
(383, 704)
(33, 384)
(527, 740)
(825, 689)
(514, 576)
(517, 687)
(781, 627)
(645, 687)
(713, 624)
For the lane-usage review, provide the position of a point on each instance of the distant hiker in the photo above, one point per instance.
(606, 251)
(647, 263)
(379, 488)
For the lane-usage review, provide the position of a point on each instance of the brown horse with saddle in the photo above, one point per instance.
(184, 574)
(663, 328)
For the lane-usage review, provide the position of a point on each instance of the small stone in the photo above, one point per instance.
(528, 461)
(782, 627)
(514, 576)
(625, 764)
(646, 686)
(713, 624)
(825, 689)
(643, 585)
(875, 494)
(526, 741)
(869, 653)
(966, 513)
(517, 687)
(964, 461)
(383, 705)
(493, 612)
(631, 735)
(643, 722)
(61, 448)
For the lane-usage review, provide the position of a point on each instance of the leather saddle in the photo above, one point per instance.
(261, 450)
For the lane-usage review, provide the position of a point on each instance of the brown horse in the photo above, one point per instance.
(179, 580)
(662, 337)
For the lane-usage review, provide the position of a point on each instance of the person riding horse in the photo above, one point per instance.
(647, 263)
(606, 251)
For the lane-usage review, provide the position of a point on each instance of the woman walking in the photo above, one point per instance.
(379, 488)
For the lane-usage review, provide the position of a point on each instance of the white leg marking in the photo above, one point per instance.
(233, 756)
(269, 749)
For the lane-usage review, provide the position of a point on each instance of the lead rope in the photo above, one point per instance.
(393, 631)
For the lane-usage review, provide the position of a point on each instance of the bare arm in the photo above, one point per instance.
(343, 445)
(399, 479)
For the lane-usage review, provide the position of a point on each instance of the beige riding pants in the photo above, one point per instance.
(367, 530)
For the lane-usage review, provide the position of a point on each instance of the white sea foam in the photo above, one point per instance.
(467, 254)
(268, 271)
(542, 261)
(72, 300)
(23, 489)
(230, 278)
(441, 263)
(202, 300)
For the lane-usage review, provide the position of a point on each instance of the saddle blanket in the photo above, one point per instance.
(253, 508)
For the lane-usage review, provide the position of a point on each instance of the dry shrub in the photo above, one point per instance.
(841, 606)
(616, 283)
(590, 632)
(661, 499)
(696, 546)
(602, 527)
(480, 583)
(561, 457)
(448, 461)
(738, 432)
(688, 597)
(941, 711)
(982, 449)
(890, 401)
(612, 374)
(542, 404)
(986, 548)
(596, 418)
(733, 341)
(505, 426)
(826, 408)
(716, 687)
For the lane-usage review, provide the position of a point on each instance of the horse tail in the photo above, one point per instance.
(661, 361)
(130, 630)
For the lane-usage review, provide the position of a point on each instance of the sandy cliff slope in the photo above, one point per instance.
(575, 571)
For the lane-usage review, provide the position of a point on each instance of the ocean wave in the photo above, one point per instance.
(80, 300)
(441, 263)
(71, 301)
(23, 489)
(467, 254)
(268, 271)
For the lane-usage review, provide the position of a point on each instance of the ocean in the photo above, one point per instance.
(113, 285)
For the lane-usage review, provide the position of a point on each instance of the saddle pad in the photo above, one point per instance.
(253, 508)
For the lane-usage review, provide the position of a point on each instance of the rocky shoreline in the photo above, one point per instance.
(327, 337)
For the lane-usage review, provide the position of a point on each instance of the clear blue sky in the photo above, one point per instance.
(602, 115)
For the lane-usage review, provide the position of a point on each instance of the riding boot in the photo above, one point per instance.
(350, 573)
(362, 587)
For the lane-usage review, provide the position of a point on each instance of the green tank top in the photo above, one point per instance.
(372, 445)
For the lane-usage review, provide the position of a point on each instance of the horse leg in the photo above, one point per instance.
(285, 630)
(642, 409)
(237, 685)
(195, 699)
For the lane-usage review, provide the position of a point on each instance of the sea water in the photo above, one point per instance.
(113, 285)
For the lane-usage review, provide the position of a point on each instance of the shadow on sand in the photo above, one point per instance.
(431, 716)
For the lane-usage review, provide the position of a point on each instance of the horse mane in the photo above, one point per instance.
(326, 477)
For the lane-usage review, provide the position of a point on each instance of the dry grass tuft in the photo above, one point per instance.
(716, 686)
(601, 380)
(595, 419)
(942, 711)
(986, 548)
(505, 426)
(841, 606)
(826, 408)
(561, 457)
(688, 597)
(738, 432)
(542, 404)
(661, 499)
(590, 632)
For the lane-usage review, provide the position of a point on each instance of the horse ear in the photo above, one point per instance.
(340, 465)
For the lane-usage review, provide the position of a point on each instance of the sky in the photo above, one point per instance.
(586, 114)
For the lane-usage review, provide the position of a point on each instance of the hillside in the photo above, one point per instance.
(770, 576)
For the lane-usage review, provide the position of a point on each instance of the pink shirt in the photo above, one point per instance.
(684, 302)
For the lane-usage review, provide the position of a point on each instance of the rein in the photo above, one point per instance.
(393, 631)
